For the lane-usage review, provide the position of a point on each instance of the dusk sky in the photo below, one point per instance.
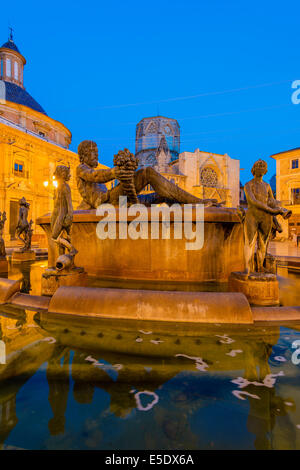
(223, 69)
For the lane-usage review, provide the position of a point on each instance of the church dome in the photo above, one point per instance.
(16, 94)
(11, 77)
(11, 45)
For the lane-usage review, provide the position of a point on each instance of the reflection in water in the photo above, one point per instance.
(101, 384)
(59, 384)
(209, 387)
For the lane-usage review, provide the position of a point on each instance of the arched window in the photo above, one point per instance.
(209, 177)
(16, 71)
(8, 67)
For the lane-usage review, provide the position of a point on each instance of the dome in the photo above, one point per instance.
(18, 95)
(11, 45)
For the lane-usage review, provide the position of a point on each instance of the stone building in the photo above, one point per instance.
(149, 132)
(204, 174)
(288, 188)
(32, 144)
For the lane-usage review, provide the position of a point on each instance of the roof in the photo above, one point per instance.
(18, 95)
(158, 118)
(11, 45)
(285, 151)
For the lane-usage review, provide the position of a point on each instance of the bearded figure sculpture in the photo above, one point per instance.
(131, 181)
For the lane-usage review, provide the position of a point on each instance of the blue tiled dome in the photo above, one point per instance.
(18, 95)
(11, 45)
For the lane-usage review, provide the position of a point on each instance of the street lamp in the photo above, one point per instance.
(54, 183)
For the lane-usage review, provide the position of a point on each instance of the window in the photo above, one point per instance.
(295, 195)
(295, 164)
(208, 177)
(1, 69)
(8, 67)
(16, 71)
(19, 168)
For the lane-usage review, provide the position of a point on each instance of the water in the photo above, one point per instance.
(72, 384)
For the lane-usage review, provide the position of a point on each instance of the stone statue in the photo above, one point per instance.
(260, 217)
(64, 272)
(62, 219)
(131, 182)
(127, 163)
(24, 227)
(2, 244)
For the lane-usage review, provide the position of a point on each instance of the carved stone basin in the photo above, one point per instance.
(157, 260)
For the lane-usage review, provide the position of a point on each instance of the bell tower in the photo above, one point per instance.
(11, 62)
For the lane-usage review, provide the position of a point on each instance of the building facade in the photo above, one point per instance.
(32, 144)
(288, 188)
(149, 132)
(204, 174)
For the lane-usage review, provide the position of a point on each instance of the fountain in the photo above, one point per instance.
(166, 277)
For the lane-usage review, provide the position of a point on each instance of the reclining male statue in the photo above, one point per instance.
(94, 193)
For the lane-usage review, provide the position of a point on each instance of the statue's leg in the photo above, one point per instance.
(264, 232)
(250, 237)
(163, 187)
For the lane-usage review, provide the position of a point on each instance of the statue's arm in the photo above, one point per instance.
(95, 176)
(258, 204)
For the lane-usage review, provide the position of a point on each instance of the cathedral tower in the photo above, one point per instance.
(149, 133)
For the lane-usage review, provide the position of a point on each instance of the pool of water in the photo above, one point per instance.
(97, 384)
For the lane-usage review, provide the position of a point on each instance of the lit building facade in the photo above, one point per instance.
(31, 145)
(288, 188)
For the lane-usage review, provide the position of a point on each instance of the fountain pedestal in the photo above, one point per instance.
(156, 260)
(3, 265)
(52, 279)
(260, 288)
(19, 256)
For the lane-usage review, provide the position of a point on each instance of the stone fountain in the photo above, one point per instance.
(166, 278)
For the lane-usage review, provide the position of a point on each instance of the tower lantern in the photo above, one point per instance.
(11, 62)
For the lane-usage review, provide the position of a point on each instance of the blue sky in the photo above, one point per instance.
(223, 69)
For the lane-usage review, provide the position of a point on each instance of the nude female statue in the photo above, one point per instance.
(259, 220)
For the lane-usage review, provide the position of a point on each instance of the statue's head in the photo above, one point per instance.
(259, 168)
(88, 153)
(62, 172)
(23, 202)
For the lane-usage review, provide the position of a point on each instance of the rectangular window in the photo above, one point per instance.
(1, 69)
(296, 195)
(295, 164)
(19, 168)
(8, 67)
(16, 71)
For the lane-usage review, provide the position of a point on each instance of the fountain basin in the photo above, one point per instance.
(159, 260)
